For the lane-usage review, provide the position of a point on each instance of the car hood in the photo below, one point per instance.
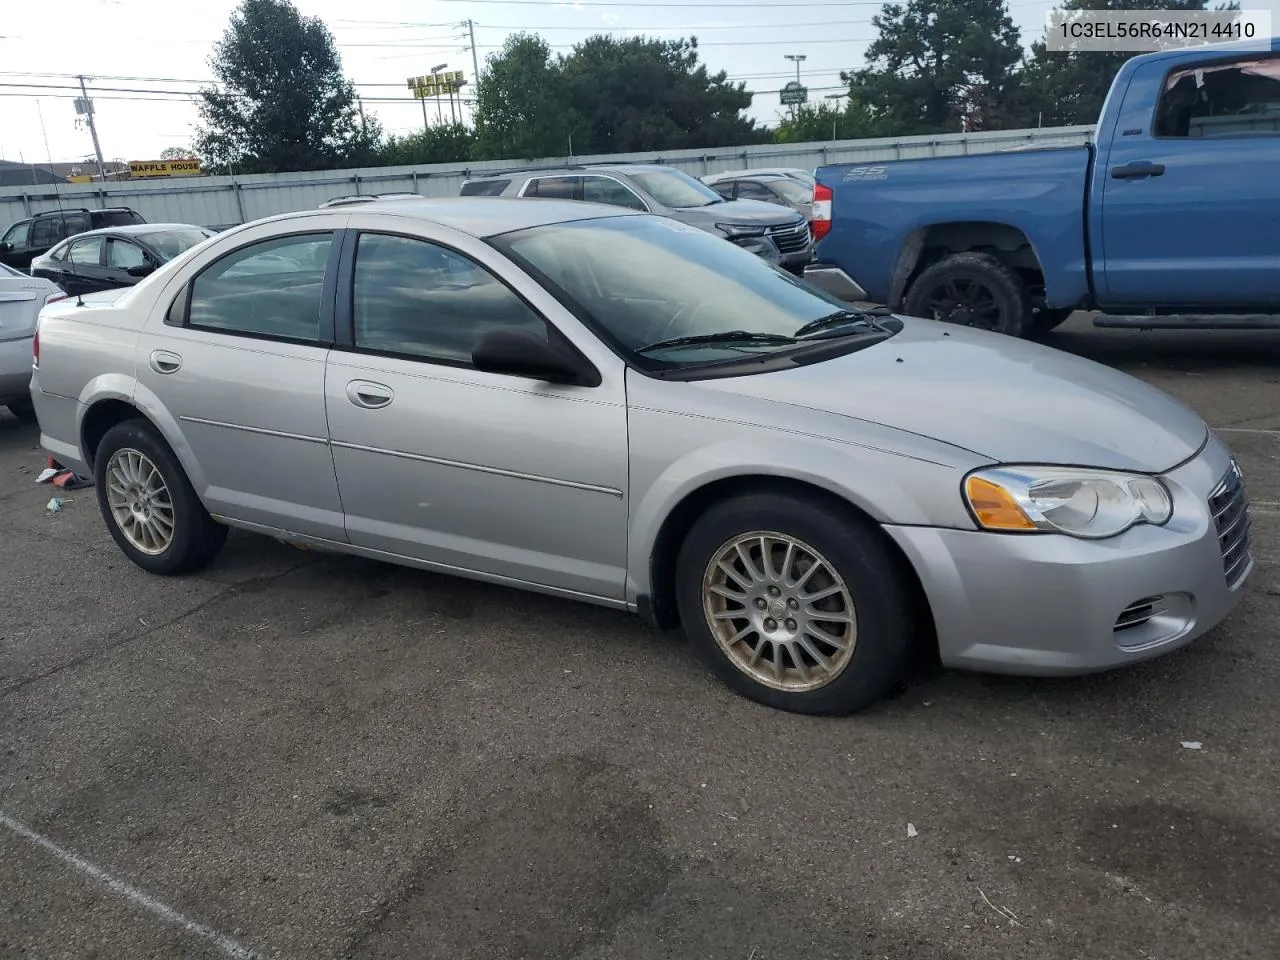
(737, 212)
(1005, 399)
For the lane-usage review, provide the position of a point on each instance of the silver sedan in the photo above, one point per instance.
(621, 409)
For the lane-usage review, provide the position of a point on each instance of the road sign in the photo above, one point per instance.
(793, 93)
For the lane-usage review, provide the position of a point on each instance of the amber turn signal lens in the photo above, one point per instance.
(995, 507)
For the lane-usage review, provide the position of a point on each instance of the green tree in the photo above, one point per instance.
(282, 102)
(1061, 88)
(939, 66)
(441, 143)
(849, 120)
(176, 153)
(522, 110)
(632, 94)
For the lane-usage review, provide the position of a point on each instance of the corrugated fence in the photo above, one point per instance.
(215, 201)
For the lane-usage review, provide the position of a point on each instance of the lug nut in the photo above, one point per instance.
(791, 625)
(771, 625)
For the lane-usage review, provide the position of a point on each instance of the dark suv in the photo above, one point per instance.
(27, 239)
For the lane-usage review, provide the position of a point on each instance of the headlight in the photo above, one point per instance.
(1090, 504)
(736, 230)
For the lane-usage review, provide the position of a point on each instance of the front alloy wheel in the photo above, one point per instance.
(779, 611)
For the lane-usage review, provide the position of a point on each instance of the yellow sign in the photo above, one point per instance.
(164, 168)
(436, 84)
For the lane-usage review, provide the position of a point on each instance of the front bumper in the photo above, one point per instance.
(15, 368)
(1050, 604)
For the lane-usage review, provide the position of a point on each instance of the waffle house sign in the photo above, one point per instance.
(189, 167)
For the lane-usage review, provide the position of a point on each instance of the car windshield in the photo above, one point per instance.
(793, 191)
(647, 281)
(170, 243)
(675, 188)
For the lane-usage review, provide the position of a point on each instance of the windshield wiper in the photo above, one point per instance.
(841, 318)
(728, 337)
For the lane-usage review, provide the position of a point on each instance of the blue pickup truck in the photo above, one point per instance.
(1173, 209)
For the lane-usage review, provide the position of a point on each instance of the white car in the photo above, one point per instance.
(22, 297)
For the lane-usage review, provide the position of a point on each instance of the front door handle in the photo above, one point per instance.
(162, 361)
(1140, 169)
(371, 396)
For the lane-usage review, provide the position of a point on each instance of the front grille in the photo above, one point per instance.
(791, 237)
(1230, 508)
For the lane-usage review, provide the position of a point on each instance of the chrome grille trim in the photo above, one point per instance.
(1229, 506)
(791, 237)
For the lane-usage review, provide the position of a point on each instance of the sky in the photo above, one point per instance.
(142, 60)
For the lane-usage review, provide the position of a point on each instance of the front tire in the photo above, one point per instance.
(149, 505)
(971, 289)
(795, 604)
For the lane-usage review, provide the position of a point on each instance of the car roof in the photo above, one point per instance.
(132, 229)
(478, 216)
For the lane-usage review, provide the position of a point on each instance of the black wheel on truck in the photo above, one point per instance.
(1045, 320)
(972, 289)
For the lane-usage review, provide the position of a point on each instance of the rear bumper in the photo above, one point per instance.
(60, 426)
(15, 368)
(1047, 605)
(835, 281)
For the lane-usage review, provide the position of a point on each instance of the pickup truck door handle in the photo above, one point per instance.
(1142, 168)
(371, 396)
(162, 361)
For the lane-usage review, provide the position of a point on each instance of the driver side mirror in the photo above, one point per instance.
(5, 247)
(522, 354)
(141, 270)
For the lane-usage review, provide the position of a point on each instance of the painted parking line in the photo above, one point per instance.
(131, 893)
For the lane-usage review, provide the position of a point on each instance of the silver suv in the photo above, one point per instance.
(778, 235)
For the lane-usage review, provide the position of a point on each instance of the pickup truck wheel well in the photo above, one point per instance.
(927, 245)
(660, 607)
(100, 418)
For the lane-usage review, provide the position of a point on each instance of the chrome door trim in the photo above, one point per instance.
(259, 430)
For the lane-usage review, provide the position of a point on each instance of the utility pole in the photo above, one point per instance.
(93, 128)
(435, 76)
(475, 60)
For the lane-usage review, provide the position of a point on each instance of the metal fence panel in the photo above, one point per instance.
(216, 201)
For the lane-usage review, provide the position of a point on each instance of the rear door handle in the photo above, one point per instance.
(371, 396)
(1142, 168)
(162, 361)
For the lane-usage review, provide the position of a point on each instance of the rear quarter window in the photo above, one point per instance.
(117, 218)
(484, 188)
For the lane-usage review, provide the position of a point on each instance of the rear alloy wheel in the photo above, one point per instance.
(148, 503)
(24, 410)
(973, 290)
(794, 604)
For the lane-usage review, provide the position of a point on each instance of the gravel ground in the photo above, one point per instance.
(314, 757)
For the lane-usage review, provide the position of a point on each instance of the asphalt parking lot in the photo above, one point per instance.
(302, 756)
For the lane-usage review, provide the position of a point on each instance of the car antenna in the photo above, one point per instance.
(57, 194)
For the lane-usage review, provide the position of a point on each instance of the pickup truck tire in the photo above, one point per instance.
(831, 593)
(973, 289)
(149, 505)
(1045, 320)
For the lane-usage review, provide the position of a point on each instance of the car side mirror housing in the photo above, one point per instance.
(5, 247)
(521, 353)
(141, 270)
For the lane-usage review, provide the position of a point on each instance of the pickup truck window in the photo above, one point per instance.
(1221, 100)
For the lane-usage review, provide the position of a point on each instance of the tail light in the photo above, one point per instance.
(35, 348)
(54, 298)
(821, 216)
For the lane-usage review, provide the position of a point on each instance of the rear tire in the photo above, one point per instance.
(826, 628)
(149, 505)
(24, 410)
(971, 289)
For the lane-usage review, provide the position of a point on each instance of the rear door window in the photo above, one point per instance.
(46, 231)
(73, 223)
(86, 252)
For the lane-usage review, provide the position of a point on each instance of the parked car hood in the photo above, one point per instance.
(1005, 399)
(738, 212)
